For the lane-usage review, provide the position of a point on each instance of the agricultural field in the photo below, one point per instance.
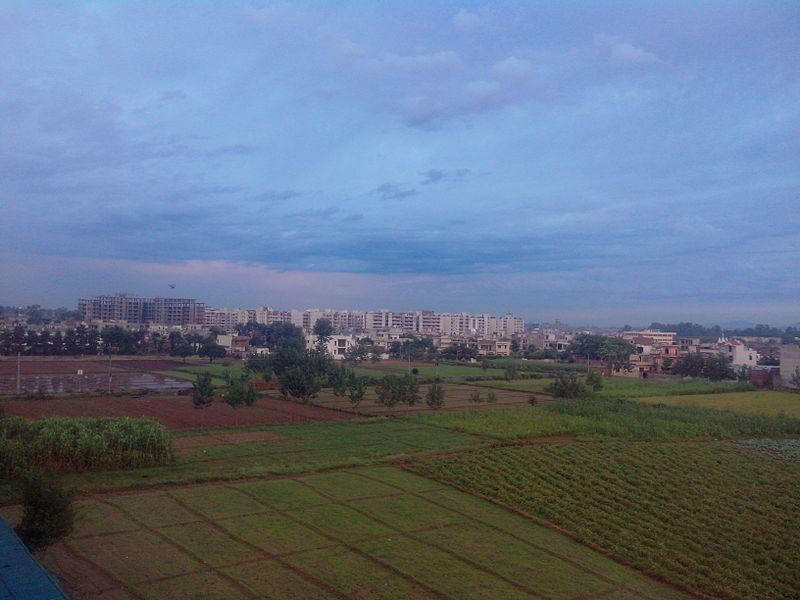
(83, 374)
(625, 387)
(190, 371)
(238, 453)
(787, 448)
(536, 365)
(457, 397)
(763, 402)
(175, 412)
(428, 370)
(706, 515)
(614, 419)
(358, 533)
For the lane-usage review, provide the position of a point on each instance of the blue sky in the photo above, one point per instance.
(604, 163)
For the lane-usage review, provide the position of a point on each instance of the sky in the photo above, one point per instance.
(599, 163)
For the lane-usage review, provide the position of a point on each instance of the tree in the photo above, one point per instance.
(491, 396)
(435, 396)
(241, 392)
(338, 379)
(212, 350)
(259, 364)
(300, 383)
(795, 379)
(567, 385)
(691, 365)
(717, 368)
(323, 329)
(616, 353)
(183, 350)
(356, 390)
(594, 381)
(48, 511)
(394, 389)
(511, 372)
(587, 345)
(202, 391)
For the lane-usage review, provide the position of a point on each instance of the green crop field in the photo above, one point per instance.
(624, 387)
(429, 370)
(765, 402)
(788, 448)
(359, 533)
(613, 418)
(702, 514)
(217, 370)
(284, 449)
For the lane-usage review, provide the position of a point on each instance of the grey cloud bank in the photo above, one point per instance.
(549, 158)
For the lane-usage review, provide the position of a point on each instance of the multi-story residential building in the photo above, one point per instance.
(132, 309)
(660, 338)
(426, 322)
(738, 353)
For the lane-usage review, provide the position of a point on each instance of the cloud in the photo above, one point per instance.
(513, 69)
(625, 52)
(466, 20)
(233, 150)
(276, 196)
(392, 191)
(436, 63)
(437, 175)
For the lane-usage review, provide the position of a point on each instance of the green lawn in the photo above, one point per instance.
(613, 418)
(765, 402)
(624, 387)
(360, 533)
(703, 514)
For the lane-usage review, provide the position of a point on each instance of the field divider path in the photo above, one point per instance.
(341, 542)
(208, 566)
(120, 585)
(523, 540)
(416, 538)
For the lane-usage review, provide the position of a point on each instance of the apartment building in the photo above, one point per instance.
(426, 322)
(659, 338)
(127, 308)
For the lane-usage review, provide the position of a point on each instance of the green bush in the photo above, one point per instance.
(81, 444)
(48, 511)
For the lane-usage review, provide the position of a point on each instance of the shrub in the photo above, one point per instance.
(475, 396)
(48, 511)
(435, 396)
(202, 391)
(567, 385)
(356, 389)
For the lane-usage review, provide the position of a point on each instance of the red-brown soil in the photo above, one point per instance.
(39, 365)
(175, 412)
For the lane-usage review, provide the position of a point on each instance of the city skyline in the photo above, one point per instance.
(603, 164)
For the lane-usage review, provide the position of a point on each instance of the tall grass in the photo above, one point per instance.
(81, 444)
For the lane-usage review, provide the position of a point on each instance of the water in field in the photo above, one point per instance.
(54, 384)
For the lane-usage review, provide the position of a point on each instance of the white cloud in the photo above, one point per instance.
(625, 52)
(466, 21)
(437, 62)
(513, 69)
